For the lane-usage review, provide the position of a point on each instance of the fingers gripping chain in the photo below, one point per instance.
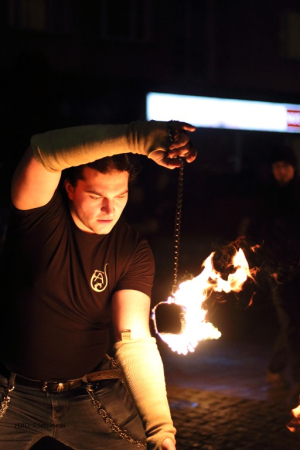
(172, 131)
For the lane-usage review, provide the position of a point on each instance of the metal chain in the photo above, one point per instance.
(178, 225)
(4, 405)
(6, 398)
(107, 419)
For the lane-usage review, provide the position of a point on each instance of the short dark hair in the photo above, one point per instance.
(284, 153)
(122, 163)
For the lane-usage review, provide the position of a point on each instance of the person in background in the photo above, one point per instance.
(280, 232)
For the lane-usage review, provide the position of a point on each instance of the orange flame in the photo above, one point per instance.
(294, 423)
(192, 293)
(296, 412)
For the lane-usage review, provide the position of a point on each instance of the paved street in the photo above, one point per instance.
(219, 400)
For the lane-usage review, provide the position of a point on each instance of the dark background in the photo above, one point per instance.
(67, 62)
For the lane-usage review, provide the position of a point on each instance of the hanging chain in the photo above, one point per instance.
(178, 225)
(6, 398)
(114, 426)
(4, 405)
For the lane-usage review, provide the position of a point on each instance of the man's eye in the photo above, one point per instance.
(122, 195)
(95, 197)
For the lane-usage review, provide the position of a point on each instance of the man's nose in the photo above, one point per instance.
(108, 206)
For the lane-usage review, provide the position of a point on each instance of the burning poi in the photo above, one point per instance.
(191, 295)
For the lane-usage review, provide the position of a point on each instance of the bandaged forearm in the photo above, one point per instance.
(60, 149)
(143, 371)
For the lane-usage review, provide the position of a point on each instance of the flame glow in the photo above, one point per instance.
(192, 293)
(294, 423)
(296, 412)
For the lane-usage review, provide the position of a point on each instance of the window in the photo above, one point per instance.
(291, 35)
(40, 15)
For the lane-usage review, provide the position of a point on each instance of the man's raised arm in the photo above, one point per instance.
(32, 185)
(39, 171)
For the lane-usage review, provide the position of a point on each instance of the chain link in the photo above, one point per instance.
(6, 398)
(178, 224)
(4, 405)
(107, 419)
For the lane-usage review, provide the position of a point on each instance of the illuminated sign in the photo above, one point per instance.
(213, 112)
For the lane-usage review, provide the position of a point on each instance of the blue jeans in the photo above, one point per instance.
(69, 417)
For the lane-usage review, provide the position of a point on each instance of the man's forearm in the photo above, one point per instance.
(60, 149)
(144, 375)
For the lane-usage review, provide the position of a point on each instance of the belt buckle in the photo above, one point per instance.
(60, 387)
(53, 387)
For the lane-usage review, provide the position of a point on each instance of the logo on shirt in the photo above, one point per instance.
(99, 280)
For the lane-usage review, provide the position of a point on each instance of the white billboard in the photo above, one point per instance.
(210, 112)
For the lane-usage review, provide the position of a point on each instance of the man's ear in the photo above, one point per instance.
(69, 189)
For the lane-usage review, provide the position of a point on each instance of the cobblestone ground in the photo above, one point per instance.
(211, 421)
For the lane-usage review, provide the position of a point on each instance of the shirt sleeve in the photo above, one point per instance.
(140, 270)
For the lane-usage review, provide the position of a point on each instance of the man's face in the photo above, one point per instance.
(97, 201)
(283, 172)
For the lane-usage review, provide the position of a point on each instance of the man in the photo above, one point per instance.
(68, 270)
(280, 214)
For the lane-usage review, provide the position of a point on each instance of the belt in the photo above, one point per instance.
(64, 385)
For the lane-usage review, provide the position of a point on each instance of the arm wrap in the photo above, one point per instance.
(60, 149)
(143, 370)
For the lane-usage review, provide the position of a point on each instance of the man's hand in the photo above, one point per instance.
(168, 444)
(180, 147)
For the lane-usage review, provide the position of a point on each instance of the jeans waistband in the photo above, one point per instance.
(62, 385)
(44, 385)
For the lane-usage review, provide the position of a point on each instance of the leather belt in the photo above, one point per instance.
(64, 385)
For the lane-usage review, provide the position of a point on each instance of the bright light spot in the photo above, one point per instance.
(296, 412)
(211, 112)
(192, 293)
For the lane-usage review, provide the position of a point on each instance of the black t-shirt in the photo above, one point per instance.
(56, 285)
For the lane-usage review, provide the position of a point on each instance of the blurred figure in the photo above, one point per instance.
(280, 232)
